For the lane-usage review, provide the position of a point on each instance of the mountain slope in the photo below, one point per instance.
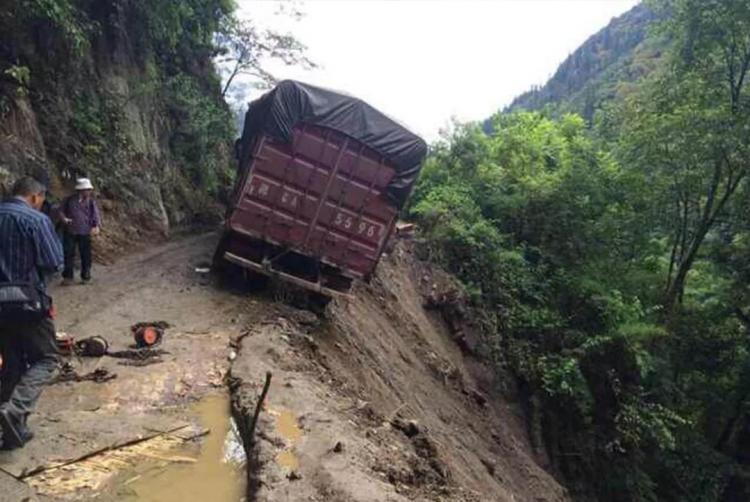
(598, 70)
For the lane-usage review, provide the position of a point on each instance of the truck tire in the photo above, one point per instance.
(234, 276)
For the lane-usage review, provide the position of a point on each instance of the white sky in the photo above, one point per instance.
(426, 61)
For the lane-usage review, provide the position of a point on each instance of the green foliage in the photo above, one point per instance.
(636, 237)
(532, 219)
(22, 75)
(202, 127)
(687, 128)
(170, 25)
(125, 91)
(64, 16)
(561, 378)
(88, 120)
(99, 128)
(177, 33)
(615, 261)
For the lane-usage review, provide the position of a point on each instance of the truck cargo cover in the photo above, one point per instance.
(290, 102)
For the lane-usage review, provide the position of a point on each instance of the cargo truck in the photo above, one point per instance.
(321, 179)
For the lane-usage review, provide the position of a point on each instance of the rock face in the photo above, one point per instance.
(122, 91)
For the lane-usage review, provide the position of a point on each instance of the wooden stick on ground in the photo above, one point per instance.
(247, 432)
(258, 407)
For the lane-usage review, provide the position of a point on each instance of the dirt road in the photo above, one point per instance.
(76, 420)
(373, 402)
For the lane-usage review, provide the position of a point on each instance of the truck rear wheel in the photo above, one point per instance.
(235, 276)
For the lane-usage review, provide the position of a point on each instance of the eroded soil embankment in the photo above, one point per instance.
(377, 402)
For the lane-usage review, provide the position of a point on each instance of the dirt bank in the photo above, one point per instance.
(383, 404)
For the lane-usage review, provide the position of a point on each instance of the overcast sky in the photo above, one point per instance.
(425, 61)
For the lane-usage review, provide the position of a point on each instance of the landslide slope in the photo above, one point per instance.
(379, 402)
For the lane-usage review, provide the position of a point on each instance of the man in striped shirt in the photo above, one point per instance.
(29, 250)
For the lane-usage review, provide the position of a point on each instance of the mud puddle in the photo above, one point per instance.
(214, 470)
(288, 428)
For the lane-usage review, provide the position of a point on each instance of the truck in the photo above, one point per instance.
(321, 179)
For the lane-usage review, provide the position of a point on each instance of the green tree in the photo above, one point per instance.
(543, 227)
(247, 49)
(688, 127)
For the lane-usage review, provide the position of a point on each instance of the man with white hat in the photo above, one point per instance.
(80, 215)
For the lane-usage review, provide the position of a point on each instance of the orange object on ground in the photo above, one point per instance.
(147, 336)
(150, 335)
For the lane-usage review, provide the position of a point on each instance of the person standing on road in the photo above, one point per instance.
(80, 215)
(29, 249)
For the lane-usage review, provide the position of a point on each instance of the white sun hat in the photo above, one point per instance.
(84, 184)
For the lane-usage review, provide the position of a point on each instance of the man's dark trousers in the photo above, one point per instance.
(83, 244)
(30, 359)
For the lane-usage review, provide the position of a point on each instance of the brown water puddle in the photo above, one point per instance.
(212, 474)
(288, 428)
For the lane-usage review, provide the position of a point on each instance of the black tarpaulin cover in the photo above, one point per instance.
(290, 102)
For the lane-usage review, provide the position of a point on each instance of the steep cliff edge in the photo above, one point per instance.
(382, 401)
(122, 91)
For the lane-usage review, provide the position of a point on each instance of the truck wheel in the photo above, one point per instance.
(338, 282)
(317, 303)
(255, 282)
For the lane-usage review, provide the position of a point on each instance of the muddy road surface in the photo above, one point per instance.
(373, 401)
(93, 437)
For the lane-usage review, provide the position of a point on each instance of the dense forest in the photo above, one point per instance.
(608, 261)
